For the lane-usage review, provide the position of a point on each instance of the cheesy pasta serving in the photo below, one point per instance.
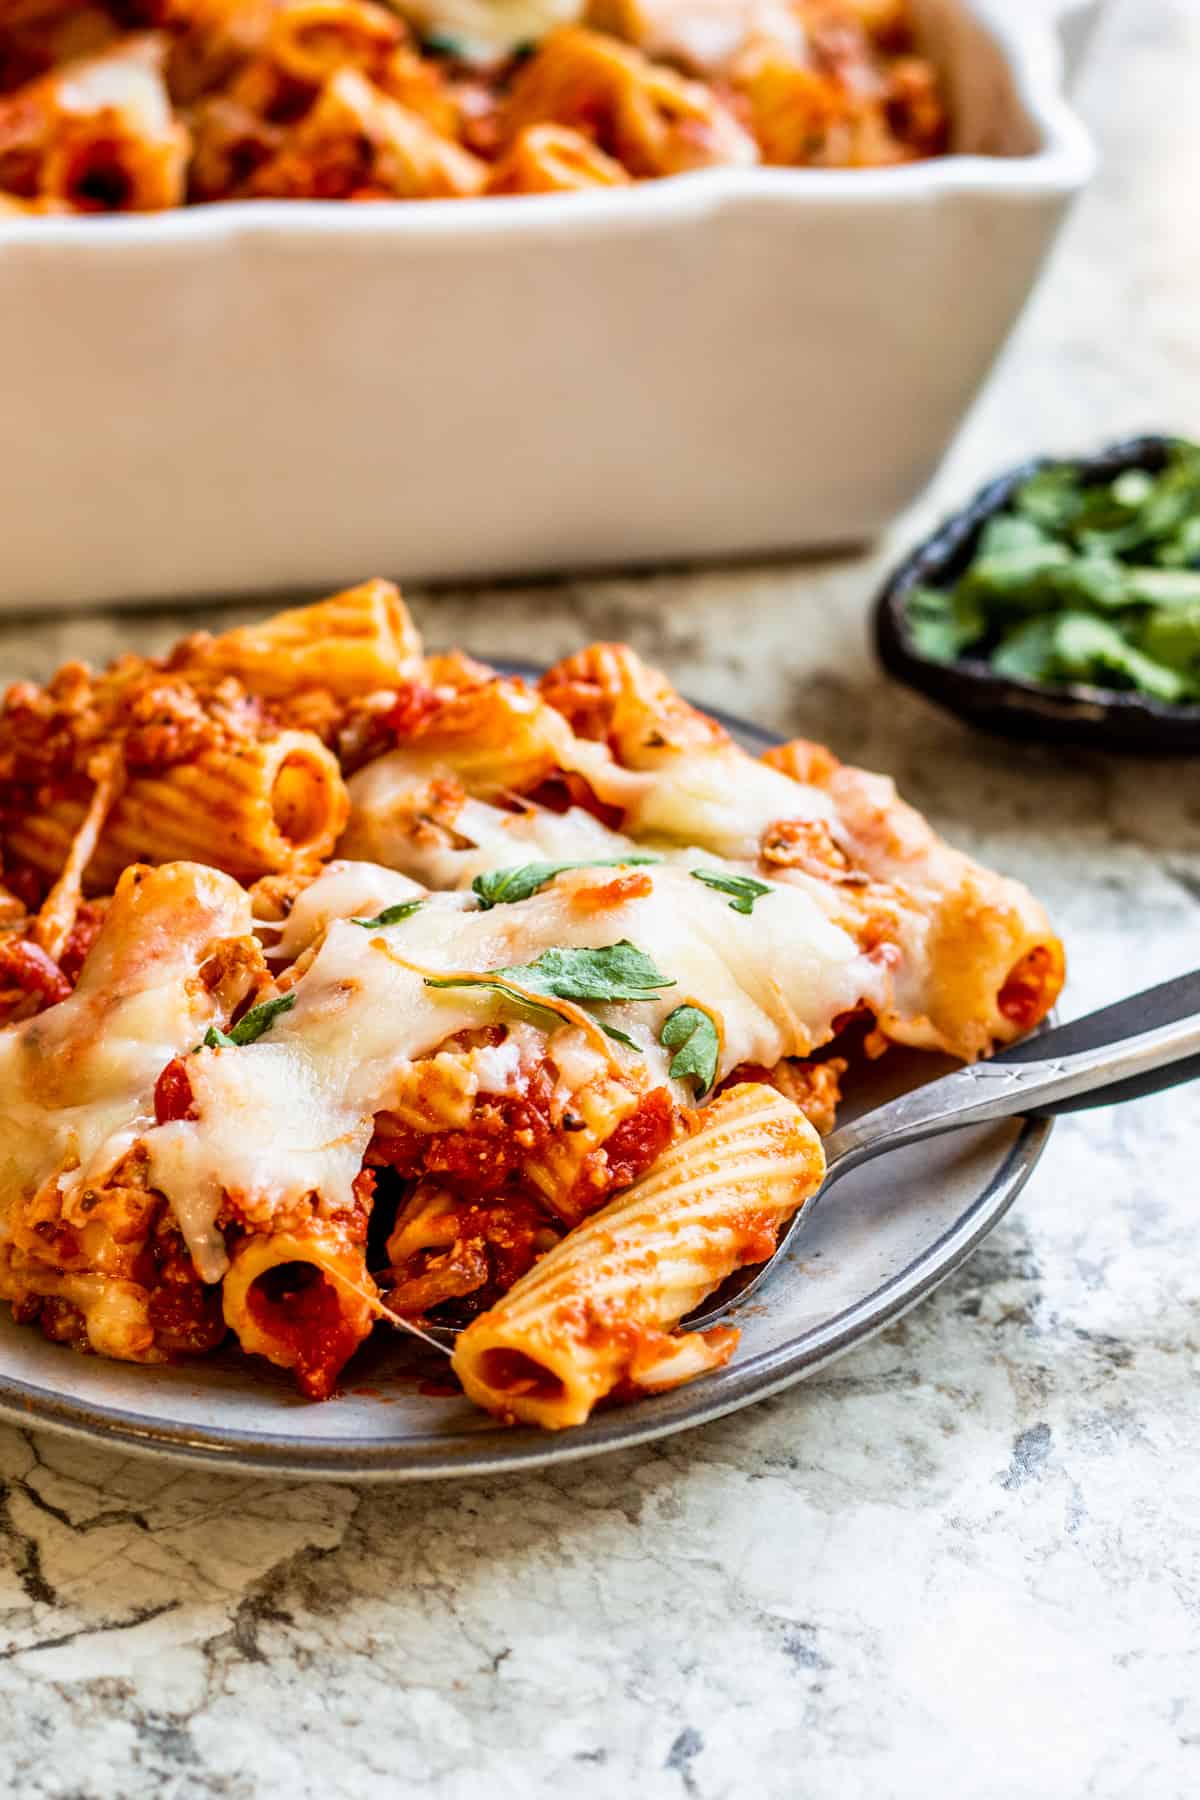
(154, 104)
(347, 984)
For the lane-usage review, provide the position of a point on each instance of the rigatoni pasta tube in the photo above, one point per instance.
(554, 159)
(310, 40)
(104, 135)
(303, 1299)
(356, 642)
(653, 120)
(252, 810)
(993, 966)
(596, 1312)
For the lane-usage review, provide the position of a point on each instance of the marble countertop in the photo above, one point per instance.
(964, 1559)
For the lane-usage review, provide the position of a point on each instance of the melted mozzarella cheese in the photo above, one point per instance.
(291, 1115)
(343, 890)
(386, 825)
(723, 799)
(77, 1082)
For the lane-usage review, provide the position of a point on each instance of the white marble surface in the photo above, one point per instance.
(964, 1560)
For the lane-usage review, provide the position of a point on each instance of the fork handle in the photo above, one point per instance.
(1149, 1041)
(1166, 1004)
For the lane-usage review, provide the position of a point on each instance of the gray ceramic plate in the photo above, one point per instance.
(887, 1236)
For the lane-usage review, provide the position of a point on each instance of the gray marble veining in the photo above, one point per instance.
(967, 1558)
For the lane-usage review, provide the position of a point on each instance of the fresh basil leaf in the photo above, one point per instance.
(935, 639)
(744, 889)
(692, 1034)
(1172, 637)
(496, 986)
(443, 43)
(503, 887)
(619, 971)
(1050, 498)
(1093, 580)
(1018, 580)
(616, 972)
(1176, 496)
(1182, 549)
(1005, 532)
(1077, 581)
(251, 1026)
(391, 915)
(943, 622)
(1165, 587)
(1026, 653)
(516, 998)
(1087, 648)
(1132, 488)
(1103, 518)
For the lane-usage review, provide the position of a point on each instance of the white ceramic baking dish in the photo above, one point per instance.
(261, 396)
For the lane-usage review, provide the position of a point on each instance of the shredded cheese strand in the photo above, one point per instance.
(56, 918)
(385, 1312)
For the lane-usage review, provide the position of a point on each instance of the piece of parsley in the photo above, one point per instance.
(251, 1026)
(1080, 580)
(391, 915)
(503, 887)
(616, 972)
(743, 888)
(443, 43)
(692, 1034)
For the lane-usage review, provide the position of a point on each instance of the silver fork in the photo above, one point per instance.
(1135, 1047)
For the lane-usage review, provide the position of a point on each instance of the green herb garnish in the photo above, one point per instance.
(618, 972)
(1081, 581)
(502, 887)
(744, 889)
(1089, 650)
(444, 43)
(692, 1034)
(251, 1026)
(391, 915)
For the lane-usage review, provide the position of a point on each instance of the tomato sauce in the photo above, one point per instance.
(1023, 998)
(184, 1311)
(563, 790)
(640, 1139)
(27, 966)
(173, 1097)
(299, 1308)
(504, 1131)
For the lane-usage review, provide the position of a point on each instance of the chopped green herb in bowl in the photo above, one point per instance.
(1079, 581)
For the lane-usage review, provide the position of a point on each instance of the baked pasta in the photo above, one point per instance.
(346, 985)
(152, 104)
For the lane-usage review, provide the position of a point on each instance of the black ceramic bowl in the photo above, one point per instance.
(1102, 718)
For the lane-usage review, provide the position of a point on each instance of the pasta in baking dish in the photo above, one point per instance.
(346, 983)
(148, 105)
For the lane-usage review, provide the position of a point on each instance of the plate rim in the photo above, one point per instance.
(460, 1454)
